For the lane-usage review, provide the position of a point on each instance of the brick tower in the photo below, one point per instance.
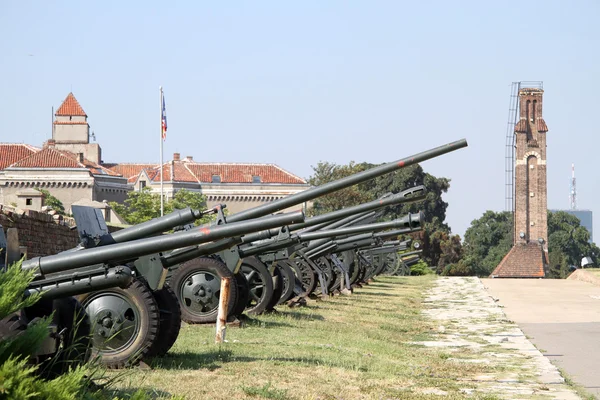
(527, 258)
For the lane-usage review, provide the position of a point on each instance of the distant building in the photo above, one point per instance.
(72, 170)
(585, 217)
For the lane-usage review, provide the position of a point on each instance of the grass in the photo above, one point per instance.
(353, 347)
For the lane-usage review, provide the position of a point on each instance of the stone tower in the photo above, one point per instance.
(71, 131)
(527, 258)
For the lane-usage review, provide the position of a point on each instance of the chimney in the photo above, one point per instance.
(176, 157)
(50, 143)
(189, 158)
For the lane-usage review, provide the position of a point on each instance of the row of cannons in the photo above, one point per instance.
(120, 297)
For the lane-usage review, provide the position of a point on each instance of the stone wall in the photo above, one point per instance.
(41, 233)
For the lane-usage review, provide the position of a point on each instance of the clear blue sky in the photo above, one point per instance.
(296, 83)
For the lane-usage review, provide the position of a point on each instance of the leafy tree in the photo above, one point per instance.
(489, 239)
(565, 234)
(486, 242)
(433, 206)
(144, 205)
(52, 201)
(326, 172)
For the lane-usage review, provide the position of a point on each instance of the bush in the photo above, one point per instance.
(420, 268)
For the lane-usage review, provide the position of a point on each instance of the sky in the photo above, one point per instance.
(295, 83)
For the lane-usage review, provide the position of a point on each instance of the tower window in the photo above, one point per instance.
(216, 179)
(28, 202)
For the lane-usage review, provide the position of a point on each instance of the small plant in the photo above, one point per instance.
(267, 392)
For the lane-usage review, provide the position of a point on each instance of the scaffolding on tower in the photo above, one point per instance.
(509, 156)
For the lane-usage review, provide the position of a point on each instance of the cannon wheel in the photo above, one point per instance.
(261, 285)
(197, 284)
(278, 287)
(288, 281)
(125, 323)
(243, 294)
(170, 321)
(305, 274)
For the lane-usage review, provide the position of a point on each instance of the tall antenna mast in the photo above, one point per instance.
(573, 191)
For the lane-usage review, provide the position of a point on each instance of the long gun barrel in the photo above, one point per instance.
(408, 221)
(330, 187)
(416, 193)
(317, 191)
(120, 252)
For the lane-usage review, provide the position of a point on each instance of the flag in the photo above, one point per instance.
(164, 119)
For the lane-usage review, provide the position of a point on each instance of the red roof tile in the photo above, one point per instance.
(243, 173)
(50, 157)
(189, 171)
(10, 153)
(70, 107)
(128, 170)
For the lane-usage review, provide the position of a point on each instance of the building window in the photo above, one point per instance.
(216, 179)
(256, 179)
(142, 184)
(28, 202)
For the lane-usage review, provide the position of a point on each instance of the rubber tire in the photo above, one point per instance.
(243, 294)
(170, 321)
(139, 295)
(197, 265)
(277, 278)
(252, 263)
(288, 281)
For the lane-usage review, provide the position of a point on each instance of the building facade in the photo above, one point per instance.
(70, 167)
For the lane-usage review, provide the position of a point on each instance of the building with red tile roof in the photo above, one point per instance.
(71, 168)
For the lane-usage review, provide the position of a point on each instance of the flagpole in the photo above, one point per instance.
(162, 200)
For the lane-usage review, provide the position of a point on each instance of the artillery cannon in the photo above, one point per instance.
(125, 321)
(189, 267)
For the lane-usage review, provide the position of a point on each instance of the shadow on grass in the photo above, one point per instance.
(257, 323)
(214, 360)
(378, 294)
(301, 316)
(210, 360)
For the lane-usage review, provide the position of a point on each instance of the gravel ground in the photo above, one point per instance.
(471, 322)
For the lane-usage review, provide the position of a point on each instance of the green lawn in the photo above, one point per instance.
(354, 347)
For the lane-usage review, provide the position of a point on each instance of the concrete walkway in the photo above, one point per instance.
(471, 320)
(561, 317)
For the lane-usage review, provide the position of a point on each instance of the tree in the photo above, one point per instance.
(486, 242)
(489, 239)
(326, 172)
(144, 205)
(433, 206)
(566, 235)
(52, 201)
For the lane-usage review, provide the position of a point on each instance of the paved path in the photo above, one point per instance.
(561, 317)
(470, 320)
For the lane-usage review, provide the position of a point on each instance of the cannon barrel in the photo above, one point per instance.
(274, 245)
(326, 249)
(406, 196)
(408, 221)
(354, 245)
(160, 224)
(330, 187)
(120, 252)
(81, 282)
(312, 193)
